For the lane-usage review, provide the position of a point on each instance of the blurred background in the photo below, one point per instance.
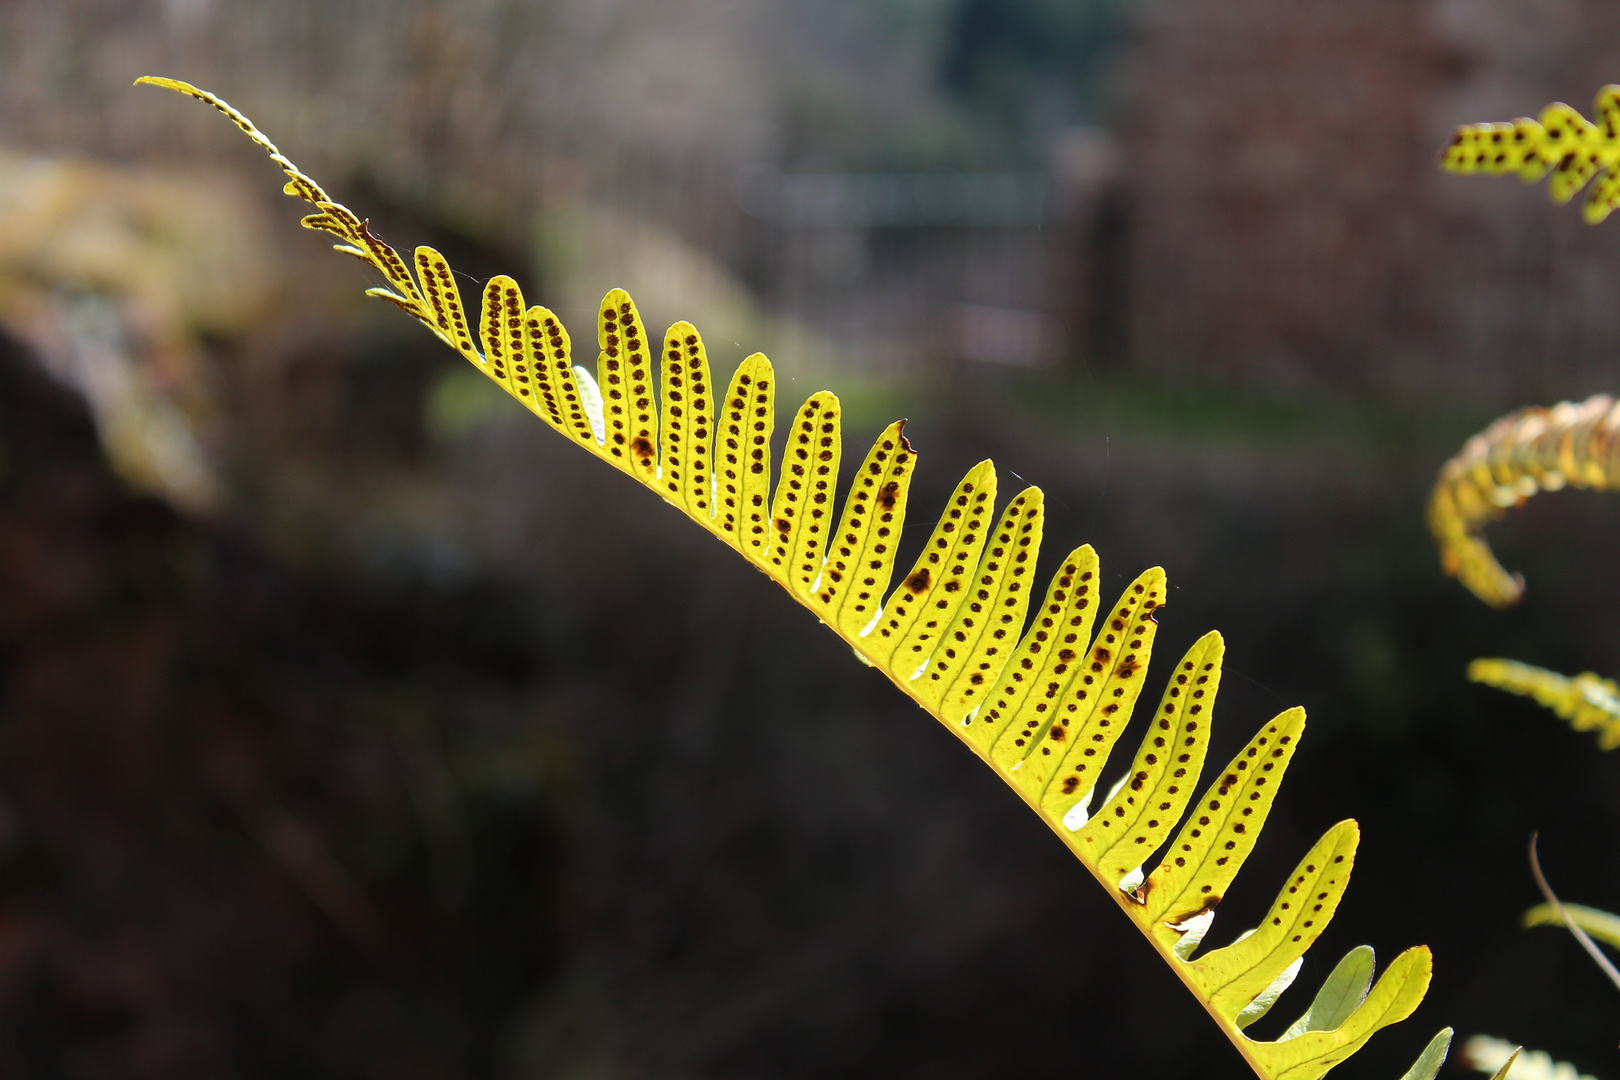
(319, 756)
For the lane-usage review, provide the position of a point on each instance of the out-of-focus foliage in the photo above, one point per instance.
(1530, 450)
(116, 283)
(1520, 454)
(1507, 1061)
(1563, 142)
(198, 824)
(951, 636)
(1000, 53)
(1527, 451)
(1588, 701)
(1599, 924)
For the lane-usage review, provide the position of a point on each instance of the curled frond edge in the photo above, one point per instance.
(1571, 444)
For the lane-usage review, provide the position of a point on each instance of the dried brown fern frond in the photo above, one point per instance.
(1533, 449)
(1041, 704)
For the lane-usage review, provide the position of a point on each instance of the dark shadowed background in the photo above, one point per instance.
(353, 725)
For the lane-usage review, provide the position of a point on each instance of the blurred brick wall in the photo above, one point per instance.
(1289, 226)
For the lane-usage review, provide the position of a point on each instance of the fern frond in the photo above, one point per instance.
(1588, 702)
(1042, 705)
(1533, 449)
(1562, 142)
(1509, 1061)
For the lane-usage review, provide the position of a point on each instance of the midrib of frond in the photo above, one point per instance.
(1042, 701)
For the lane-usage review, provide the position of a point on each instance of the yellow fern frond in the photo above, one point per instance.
(1041, 704)
(1533, 449)
(1562, 142)
(1588, 702)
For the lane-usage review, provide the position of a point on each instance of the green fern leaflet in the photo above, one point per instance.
(1043, 707)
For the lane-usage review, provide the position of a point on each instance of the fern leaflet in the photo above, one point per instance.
(1433, 1056)
(1042, 706)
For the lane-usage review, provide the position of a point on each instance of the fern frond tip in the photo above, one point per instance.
(1561, 144)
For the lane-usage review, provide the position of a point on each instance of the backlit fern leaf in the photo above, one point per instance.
(1527, 451)
(1562, 142)
(1041, 706)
